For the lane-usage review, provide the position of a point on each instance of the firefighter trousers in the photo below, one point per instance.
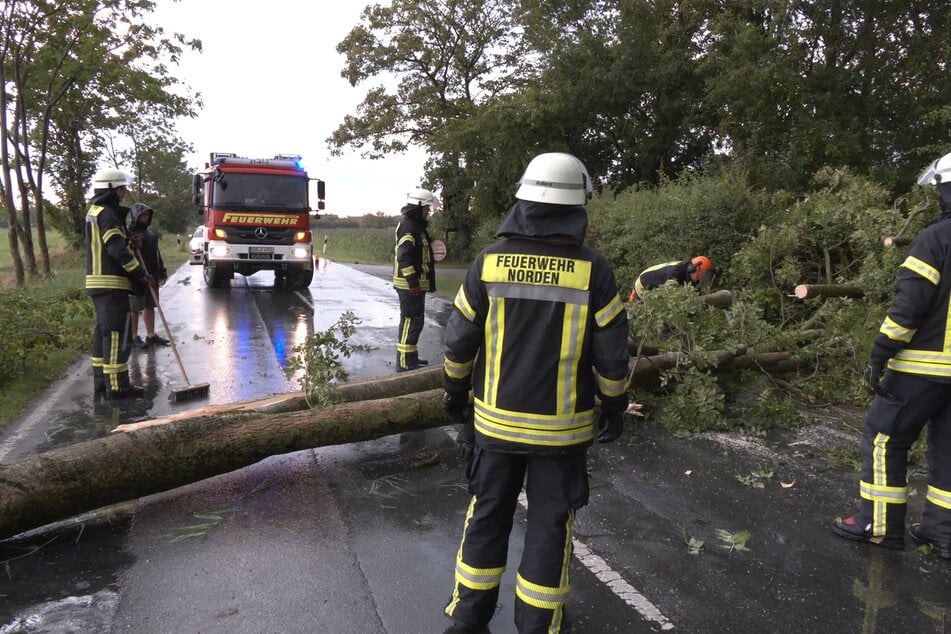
(111, 345)
(555, 487)
(412, 312)
(902, 407)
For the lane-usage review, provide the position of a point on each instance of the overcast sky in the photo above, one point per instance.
(269, 75)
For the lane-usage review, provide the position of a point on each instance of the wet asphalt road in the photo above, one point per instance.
(361, 537)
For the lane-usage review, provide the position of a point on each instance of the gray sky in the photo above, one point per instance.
(270, 80)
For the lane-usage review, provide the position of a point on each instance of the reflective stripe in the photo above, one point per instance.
(889, 495)
(492, 347)
(535, 429)
(457, 370)
(111, 282)
(895, 331)
(539, 596)
(905, 361)
(462, 303)
(938, 497)
(112, 233)
(541, 293)
(572, 339)
(478, 578)
(406, 238)
(604, 316)
(611, 387)
(923, 269)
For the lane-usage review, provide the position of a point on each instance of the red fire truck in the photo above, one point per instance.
(257, 218)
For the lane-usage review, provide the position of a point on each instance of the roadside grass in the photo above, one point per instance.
(48, 323)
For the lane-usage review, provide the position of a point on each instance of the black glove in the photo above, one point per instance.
(135, 242)
(415, 291)
(455, 403)
(610, 426)
(873, 373)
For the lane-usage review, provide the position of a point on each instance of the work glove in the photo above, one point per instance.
(610, 426)
(135, 242)
(873, 373)
(456, 405)
(415, 291)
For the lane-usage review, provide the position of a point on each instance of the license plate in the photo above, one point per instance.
(260, 253)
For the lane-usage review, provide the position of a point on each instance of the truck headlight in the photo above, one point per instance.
(300, 252)
(219, 251)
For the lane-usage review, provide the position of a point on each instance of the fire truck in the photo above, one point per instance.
(257, 218)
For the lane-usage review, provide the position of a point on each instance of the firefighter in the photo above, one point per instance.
(111, 268)
(414, 274)
(911, 349)
(537, 331)
(694, 271)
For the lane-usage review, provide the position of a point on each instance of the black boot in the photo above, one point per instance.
(133, 391)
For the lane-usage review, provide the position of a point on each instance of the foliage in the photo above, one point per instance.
(319, 358)
(733, 541)
(694, 545)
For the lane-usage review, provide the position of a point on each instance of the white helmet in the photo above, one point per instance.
(422, 197)
(557, 178)
(110, 178)
(937, 173)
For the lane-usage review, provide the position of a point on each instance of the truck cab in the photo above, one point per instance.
(257, 218)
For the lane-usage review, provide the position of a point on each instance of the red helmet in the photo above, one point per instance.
(698, 266)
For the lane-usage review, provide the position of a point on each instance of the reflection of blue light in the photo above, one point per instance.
(279, 343)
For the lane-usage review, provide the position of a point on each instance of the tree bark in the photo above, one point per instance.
(64, 482)
(809, 291)
(719, 299)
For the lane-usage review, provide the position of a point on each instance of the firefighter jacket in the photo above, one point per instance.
(151, 254)
(110, 264)
(660, 274)
(413, 263)
(537, 331)
(915, 336)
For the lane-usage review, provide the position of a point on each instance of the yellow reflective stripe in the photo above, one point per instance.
(406, 347)
(406, 271)
(922, 268)
(879, 478)
(638, 287)
(539, 596)
(131, 265)
(611, 387)
(895, 331)
(939, 365)
(454, 599)
(406, 238)
(939, 497)
(889, 495)
(457, 370)
(572, 338)
(97, 362)
(111, 282)
(478, 578)
(112, 233)
(462, 303)
(564, 429)
(604, 316)
(494, 336)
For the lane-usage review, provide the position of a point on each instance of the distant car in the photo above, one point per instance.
(196, 245)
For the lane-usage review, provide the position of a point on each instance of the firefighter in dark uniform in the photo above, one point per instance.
(694, 271)
(414, 274)
(537, 331)
(111, 267)
(913, 351)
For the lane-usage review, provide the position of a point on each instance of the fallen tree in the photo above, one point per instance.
(809, 291)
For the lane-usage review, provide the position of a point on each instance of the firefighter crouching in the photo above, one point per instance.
(110, 269)
(915, 389)
(695, 271)
(537, 331)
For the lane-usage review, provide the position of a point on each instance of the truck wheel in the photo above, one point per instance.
(303, 278)
(213, 278)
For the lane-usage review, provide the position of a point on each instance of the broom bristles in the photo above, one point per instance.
(187, 393)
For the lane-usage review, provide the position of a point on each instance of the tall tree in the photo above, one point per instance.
(95, 62)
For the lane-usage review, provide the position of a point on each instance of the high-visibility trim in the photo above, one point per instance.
(938, 497)
(879, 478)
(462, 303)
(604, 316)
(895, 331)
(889, 495)
(925, 362)
(110, 282)
(454, 599)
(611, 387)
(923, 269)
(406, 238)
(536, 270)
(406, 348)
(562, 430)
(478, 578)
(638, 288)
(539, 596)
(406, 271)
(114, 232)
(492, 347)
(97, 362)
(541, 293)
(572, 338)
(457, 370)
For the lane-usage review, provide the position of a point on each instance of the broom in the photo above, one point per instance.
(199, 390)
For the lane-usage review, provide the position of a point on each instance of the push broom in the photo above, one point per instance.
(198, 390)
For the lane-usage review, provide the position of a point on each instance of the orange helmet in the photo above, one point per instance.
(698, 266)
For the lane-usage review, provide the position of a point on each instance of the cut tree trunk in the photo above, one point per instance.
(58, 484)
(719, 299)
(809, 291)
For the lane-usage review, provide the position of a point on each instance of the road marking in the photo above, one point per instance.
(304, 299)
(603, 571)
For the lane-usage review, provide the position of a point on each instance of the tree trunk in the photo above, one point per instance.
(64, 482)
(719, 299)
(809, 291)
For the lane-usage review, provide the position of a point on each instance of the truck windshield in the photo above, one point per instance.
(260, 191)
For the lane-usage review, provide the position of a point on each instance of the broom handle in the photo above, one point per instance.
(161, 313)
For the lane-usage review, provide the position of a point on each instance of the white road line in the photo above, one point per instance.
(607, 575)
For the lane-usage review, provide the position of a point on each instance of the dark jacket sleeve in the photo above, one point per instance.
(116, 246)
(464, 330)
(609, 340)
